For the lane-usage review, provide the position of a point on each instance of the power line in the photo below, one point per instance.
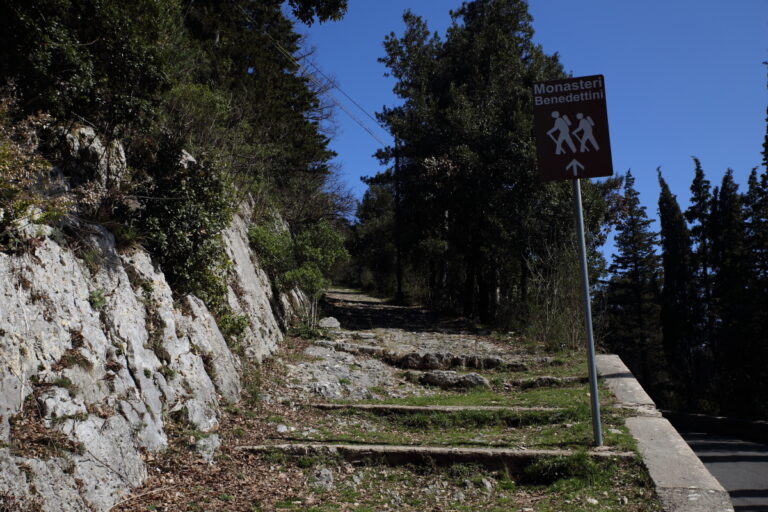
(333, 98)
(335, 85)
(319, 84)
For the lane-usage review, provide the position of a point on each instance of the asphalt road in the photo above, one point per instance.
(740, 466)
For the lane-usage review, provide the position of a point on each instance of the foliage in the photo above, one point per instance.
(317, 249)
(274, 248)
(709, 311)
(24, 175)
(466, 210)
(98, 60)
(548, 470)
(556, 309)
(232, 327)
(97, 300)
(305, 260)
(679, 307)
(373, 241)
(307, 10)
(729, 296)
(185, 209)
(633, 291)
(206, 76)
(249, 107)
(697, 216)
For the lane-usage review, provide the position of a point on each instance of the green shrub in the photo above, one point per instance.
(94, 59)
(305, 260)
(232, 327)
(274, 248)
(23, 175)
(307, 277)
(186, 208)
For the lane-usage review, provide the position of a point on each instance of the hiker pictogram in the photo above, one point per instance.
(585, 127)
(562, 128)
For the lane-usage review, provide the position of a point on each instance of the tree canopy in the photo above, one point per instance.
(470, 212)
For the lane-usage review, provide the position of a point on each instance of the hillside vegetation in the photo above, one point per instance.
(210, 106)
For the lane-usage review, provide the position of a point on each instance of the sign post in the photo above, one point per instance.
(572, 142)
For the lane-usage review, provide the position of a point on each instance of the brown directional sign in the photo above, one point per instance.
(571, 126)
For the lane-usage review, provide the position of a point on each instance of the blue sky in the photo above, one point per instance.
(683, 78)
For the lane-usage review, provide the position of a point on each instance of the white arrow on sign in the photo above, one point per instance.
(575, 166)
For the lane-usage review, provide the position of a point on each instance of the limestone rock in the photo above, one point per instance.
(56, 403)
(251, 293)
(329, 323)
(110, 337)
(324, 478)
(449, 379)
(436, 361)
(221, 365)
(411, 361)
(207, 447)
(91, 160)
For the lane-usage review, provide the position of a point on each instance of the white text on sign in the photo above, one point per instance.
(578, 90)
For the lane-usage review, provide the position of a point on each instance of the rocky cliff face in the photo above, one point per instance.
(96, 358)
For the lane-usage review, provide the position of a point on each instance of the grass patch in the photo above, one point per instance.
(474, 418)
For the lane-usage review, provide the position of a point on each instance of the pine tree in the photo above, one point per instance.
(475, 216)
(633, 291)
(678, 299)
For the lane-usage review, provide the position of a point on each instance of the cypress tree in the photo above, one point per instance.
(698, 217)
(756, 316)
(678, 298)
(731, 349)
(765, 138)
(633, 290)
(756, 224)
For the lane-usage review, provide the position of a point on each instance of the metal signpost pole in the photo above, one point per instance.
(595, 399)
(570, 121)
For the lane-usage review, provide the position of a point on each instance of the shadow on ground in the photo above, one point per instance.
(356, 311)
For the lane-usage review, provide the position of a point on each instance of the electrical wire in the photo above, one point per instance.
(319, 84)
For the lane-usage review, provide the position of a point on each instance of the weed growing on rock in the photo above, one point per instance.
(31, 438)
(73, 358)
(64, 382)
(252, 385)
(232, 327)
(91, 258)
(97, 299)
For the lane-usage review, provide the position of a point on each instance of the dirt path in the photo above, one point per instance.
(440, 415)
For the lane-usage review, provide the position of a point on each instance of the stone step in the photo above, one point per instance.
(390, 408)
(430, 360)
(511, 460)
(545, 381)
